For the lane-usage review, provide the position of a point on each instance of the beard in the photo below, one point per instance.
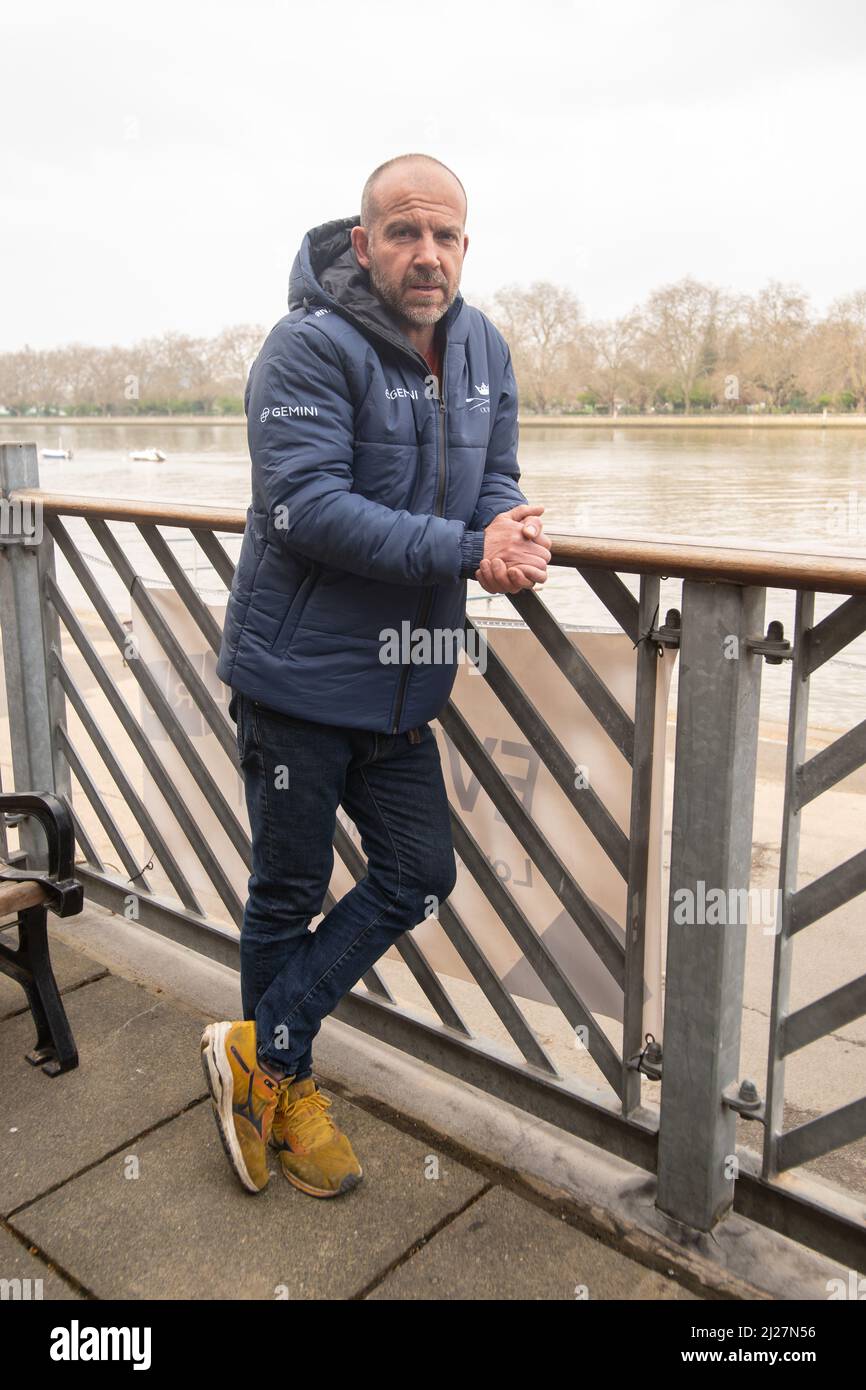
(394, 296)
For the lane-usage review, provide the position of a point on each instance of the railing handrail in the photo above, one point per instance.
(774, 567)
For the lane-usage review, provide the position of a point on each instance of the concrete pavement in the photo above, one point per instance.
(113, 1183)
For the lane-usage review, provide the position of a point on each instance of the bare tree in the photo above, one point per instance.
(777, 325)
(234, 352)
(689, 336)
(542, 326)
(845, 345)
(681, 327)
(613, 347)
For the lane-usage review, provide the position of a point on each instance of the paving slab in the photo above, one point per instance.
(71, 968)
(25, 1277)
(185, 1228)
(139, 1064)
(504, 1247)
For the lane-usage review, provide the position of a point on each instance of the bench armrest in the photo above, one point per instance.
(65, 894)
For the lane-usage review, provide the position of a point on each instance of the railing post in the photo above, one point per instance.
(711, 848)
(795, 756)
(646, 679)
(35, 701)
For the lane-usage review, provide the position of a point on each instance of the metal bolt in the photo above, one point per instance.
(748, 1091)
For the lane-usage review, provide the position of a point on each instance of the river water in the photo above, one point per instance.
(794, 488)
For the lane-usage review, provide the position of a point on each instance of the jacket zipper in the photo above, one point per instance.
(440, 498)
(440, 490)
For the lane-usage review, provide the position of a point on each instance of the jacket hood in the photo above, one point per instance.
(326, 272)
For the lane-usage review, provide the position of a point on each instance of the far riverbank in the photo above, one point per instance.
(619, 422)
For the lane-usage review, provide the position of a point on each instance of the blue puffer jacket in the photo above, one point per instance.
(369, 498)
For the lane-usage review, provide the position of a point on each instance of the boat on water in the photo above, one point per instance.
(148, 456)
(58, 453)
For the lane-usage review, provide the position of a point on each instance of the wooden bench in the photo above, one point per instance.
(28, 895)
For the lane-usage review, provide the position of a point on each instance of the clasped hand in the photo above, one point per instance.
(516, 552)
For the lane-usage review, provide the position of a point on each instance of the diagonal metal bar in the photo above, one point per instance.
(216, 554)
(821, 1135)
(88, 848)
(823, 1016)
(828, 767)
(210, 863)
(497, 996)
(410, 951)
(106, 819)
(195, 605)
(431, 984)
(377, 986)
(617, 598)
(828, 892)
(553, 754)
(835, 632)
(587, 916)
(546, 967)
(601, 703)
(156, 699)
(149, 829)
(177, 657)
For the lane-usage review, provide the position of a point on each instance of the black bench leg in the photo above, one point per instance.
(30, 965)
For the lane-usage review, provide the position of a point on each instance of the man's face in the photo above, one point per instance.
(415, 248)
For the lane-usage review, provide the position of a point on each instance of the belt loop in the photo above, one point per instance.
(414, 735)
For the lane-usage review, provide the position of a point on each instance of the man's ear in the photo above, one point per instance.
(360, 242)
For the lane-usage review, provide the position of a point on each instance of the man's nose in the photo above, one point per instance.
(427, 254)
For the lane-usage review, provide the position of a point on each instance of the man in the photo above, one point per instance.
(382, 423)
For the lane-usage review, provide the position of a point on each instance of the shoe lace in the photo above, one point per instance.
(306, 1116)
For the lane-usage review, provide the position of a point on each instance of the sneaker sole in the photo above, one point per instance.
(218, 1075)
(350, 1181)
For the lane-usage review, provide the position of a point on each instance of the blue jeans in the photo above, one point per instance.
(296, 773)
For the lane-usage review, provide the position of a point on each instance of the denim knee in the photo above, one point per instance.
(444, 876)
(431, 883)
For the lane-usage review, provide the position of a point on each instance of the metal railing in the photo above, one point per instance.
(690, 1143)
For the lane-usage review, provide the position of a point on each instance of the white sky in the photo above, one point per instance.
(161, 161)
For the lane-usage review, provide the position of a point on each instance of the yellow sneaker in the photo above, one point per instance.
(314, 1154)
(244, 1098)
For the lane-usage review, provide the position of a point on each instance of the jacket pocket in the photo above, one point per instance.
(287, 627)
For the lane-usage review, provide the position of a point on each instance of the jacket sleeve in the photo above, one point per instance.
(499, 484)
(300, 425)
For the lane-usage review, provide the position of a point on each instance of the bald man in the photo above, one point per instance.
(382, 426)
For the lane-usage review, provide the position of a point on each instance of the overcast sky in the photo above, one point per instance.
(161, 161)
